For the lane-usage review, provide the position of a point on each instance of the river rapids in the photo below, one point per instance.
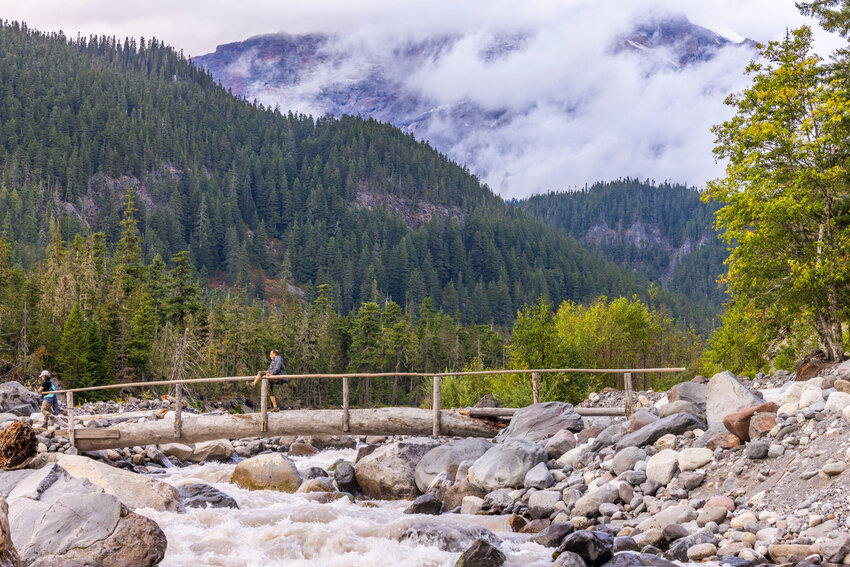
(273, 529)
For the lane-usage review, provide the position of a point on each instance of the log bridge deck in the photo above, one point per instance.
(178, 428)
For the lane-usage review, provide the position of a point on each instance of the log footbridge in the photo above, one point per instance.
(176, 427)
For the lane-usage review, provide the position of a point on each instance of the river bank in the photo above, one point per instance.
(729, 471)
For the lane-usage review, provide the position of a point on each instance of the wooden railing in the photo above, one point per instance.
(437, 391)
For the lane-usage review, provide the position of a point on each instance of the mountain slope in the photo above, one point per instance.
(522, 108)
(253, 193)
(663, 232)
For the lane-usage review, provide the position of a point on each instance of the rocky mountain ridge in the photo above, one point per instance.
(396, 83)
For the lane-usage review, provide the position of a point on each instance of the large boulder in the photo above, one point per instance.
(176, 450)
(133, 490)
(725, 394)
(17, 400)
(455, 494)
(661, 466)
(595, 547)
(202, 495)
(688, 392)
(57, 519)
(609, 436)
(269, 471)
(626, 458)
(541, 421)
(454, 538)
(676, 424)
(560, 443)
(506, 465)
(389, 473)
(680, 406)
(447, 458)
(679, 514)
(588, 505)
(738, 422)
(346, 479)
(693, 458)
(218, 450)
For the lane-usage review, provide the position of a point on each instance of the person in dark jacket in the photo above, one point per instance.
(276, 368)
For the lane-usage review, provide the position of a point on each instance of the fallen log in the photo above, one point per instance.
(120, 417)
(379, 421)
(509, 412)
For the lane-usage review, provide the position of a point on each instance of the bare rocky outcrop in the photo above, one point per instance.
(57, 519)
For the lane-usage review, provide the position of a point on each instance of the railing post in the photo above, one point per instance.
(437, 406)
(178, 411)
(535, 386)
(627, 383)
(346, 425)
(69, 400)
(264, 405)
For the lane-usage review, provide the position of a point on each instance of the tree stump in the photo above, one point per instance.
(17, 445)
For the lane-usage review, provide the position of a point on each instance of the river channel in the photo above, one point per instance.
(271, 528)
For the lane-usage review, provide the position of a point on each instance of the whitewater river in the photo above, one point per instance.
(276, 529)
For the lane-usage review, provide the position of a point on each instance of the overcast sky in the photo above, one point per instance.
(198, 26)
(628, 120)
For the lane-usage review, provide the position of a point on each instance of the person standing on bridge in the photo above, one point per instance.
(276, 368)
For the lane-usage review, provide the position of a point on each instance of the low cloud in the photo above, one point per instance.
(574, 111)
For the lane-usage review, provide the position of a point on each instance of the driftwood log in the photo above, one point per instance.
(17, 445)
(195, 429)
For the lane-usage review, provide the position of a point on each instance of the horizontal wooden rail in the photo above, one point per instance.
(377, 375)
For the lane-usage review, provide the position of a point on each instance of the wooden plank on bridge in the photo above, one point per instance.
(378, 421)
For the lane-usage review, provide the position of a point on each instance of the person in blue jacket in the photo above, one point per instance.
(49, 399)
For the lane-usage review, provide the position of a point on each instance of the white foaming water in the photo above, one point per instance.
(275, 529)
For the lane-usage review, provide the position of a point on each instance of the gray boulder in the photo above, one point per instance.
(202, 495)
(680, 406)
(506, 465)
(269, 471)
(679, 550)
(609, 436)
(60, 520)
(560, 443)
(447, 458)
(539, 477)
(541, 421)
(133, 490)
(218, 450)
(588, 505)
(542, 503)
(17, 400)
(725, 394)
(454, 538)
(626, 458)
(688, 392)
(389, 473)
(676, 424)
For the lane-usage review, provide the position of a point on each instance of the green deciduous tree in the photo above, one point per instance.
(787, 149)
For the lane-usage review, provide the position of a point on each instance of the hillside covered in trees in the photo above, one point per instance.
(253, 194)
(664, 232)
